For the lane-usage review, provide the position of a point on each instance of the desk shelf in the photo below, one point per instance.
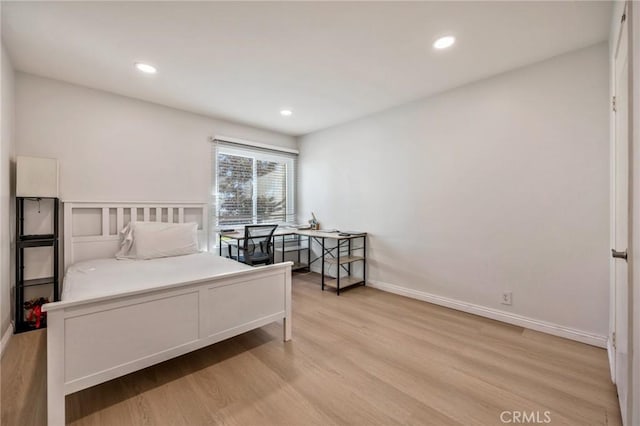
(344, 282)
(288, 249)
(344, 260)
(292, 243)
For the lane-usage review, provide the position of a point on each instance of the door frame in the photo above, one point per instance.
(632, 12)
(622, 213)
(633, 18)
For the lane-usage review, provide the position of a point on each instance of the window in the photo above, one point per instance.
(252, 185)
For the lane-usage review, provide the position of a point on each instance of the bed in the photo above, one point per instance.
(119, 316)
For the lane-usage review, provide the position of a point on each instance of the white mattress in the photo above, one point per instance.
(102, 277)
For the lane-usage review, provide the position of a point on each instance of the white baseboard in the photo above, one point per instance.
(5, 339)
(519, 320)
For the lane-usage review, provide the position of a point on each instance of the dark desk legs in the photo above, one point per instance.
(338, 271)
(322, 264)
(220, 248)
(349, 254)
(364, 261)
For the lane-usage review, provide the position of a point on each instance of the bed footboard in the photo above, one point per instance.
(93, 341)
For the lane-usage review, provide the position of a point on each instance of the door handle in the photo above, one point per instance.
(619, 254)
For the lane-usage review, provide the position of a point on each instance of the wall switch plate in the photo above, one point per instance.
(506, 298)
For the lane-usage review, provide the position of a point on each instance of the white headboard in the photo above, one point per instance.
(91, 229)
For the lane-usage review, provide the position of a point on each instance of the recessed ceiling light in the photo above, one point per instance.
(146, 68)
(444, 42)
(286, 112)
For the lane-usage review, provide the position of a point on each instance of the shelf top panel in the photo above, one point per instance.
(334, 235)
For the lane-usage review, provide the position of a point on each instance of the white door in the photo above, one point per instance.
(621, 220)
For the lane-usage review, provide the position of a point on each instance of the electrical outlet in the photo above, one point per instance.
(506, 298)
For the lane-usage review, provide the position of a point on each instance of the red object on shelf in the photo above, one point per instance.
(35, 315)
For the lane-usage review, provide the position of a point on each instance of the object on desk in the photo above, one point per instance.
(315, 225)
(227, 231)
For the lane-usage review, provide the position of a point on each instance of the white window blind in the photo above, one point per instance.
(252, 185)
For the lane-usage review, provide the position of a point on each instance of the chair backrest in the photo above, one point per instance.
(258, 236)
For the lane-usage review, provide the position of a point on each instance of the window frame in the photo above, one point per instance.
(256, 154)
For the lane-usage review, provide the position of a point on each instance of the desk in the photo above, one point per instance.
(234, 238)
(341, 254)
(341, 258)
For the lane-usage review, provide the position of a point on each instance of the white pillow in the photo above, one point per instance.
(150, 240)
(127, 249)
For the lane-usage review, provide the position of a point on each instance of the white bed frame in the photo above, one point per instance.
(96, 340)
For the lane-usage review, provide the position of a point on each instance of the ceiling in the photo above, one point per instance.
(329, 62)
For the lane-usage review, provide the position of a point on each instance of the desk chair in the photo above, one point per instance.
(257, 245)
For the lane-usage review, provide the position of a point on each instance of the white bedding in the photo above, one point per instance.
(102, 277)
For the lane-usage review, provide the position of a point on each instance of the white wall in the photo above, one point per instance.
(6, 190)
(111, 147)
(500, 185)
(114, 148)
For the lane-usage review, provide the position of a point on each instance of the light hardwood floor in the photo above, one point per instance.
(364, 358)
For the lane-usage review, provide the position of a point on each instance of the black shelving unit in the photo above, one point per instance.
(342, 256)
(25, 241)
